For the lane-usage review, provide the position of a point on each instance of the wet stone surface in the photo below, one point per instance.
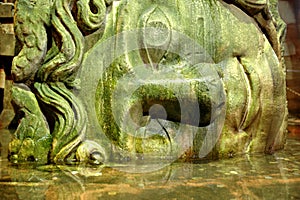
(274, 176)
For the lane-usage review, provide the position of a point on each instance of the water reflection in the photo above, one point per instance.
(250, 177)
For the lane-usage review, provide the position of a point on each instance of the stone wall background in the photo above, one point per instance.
(290, 12)
(7, 51)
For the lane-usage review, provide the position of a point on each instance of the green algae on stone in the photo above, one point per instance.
(156, 77)
(32, 139)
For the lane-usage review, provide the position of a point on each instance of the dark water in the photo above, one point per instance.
(248, 177)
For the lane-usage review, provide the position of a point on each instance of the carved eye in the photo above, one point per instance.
(156, 36)
(157, 29)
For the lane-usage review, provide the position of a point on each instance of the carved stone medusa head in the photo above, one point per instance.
(108, 80)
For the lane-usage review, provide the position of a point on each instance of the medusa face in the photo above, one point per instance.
(168, 72)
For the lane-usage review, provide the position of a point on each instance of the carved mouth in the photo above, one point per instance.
(17, 75)
(187, 107)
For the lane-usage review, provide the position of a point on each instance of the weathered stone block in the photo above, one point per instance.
(7, 40)
(6, 10)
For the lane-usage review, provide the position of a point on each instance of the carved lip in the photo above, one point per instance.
(17, 75)
(255, 3)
